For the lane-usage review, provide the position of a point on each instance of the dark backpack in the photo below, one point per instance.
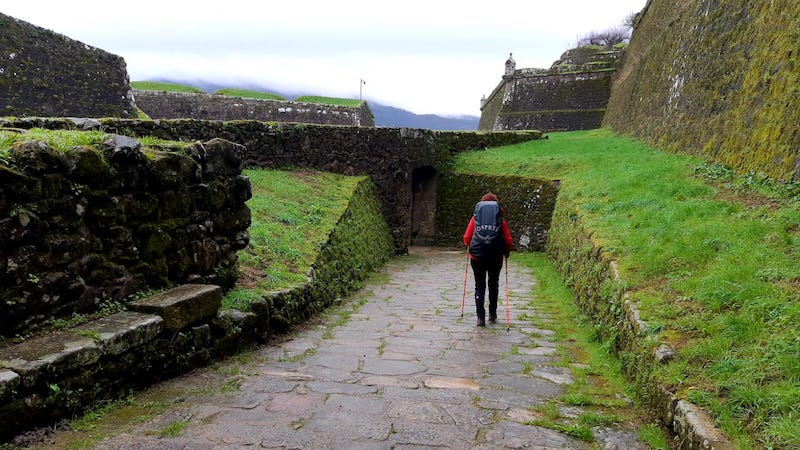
(487, 239)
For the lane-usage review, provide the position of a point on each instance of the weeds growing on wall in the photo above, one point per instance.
(712, 269)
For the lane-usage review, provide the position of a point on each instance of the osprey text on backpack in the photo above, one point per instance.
(487, 239)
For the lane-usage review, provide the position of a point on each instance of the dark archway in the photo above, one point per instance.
(424, 184)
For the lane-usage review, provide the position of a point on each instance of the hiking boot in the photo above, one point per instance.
(492, 318)
(481, 322)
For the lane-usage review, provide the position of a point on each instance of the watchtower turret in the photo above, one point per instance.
(511, 66)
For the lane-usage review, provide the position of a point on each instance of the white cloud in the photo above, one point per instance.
(425, 56)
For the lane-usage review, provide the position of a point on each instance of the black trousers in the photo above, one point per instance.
(486, 271)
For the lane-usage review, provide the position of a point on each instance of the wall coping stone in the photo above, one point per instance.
(122, 331)
(697, 425)
(54, 352)
(183, 305)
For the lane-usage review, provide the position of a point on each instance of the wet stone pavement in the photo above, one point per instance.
(403, 371)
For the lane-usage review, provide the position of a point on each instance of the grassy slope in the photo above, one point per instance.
(598, 375)
(292, 213)
(244, 93)
(166, 87)
(329, 101)
(713, 268)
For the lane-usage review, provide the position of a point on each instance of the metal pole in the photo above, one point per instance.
(508, 307)
(464, 295)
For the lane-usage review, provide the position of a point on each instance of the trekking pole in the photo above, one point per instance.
(464, 295)
(508, 307)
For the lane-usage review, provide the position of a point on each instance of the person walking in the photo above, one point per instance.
(489, 240)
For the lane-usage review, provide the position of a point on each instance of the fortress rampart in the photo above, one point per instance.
(178, 105)
(715, 79)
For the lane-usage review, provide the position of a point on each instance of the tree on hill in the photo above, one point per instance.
(606, 38)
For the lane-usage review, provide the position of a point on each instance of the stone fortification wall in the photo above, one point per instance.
(82, 230)
(571, 95)
(548, 102)
(178, 105)
(43, 73)
(528, 202)
(387, 155)
(715, 79)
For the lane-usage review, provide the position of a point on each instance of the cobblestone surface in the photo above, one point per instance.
(405, 371)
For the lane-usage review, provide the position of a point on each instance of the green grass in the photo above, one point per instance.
(353, 103)
(244, 93)
(598, 378)
(64, 140)
(711, 264)
(165, 87)
(292, 214)
(173, 429)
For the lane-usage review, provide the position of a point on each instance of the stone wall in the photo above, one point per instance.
(715, 79)
(84, 229)
(571, 95)
(591, 274)
(177, 105)
(528, 202)
(388, 155)
(57, 375)
(43, 73)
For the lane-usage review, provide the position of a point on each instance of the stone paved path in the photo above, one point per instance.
(404, 372)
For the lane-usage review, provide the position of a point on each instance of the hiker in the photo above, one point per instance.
(489, 240)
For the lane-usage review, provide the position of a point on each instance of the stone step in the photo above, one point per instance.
(50, 355)
(183, 305)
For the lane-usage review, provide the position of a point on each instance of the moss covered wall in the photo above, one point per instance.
(719, 79)
(360, 243)
(178, 105)
(82, 230)
(492, 107)
(136, 349)
(43, 73)
(528, 202)
(387, 155)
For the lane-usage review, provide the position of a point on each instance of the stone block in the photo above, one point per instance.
(117, 333)
(50, 355)
(9, 380)
(183, 305)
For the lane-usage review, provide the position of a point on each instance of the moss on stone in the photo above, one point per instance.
(715, 79)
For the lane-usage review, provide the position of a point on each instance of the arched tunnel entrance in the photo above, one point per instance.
(424, 184)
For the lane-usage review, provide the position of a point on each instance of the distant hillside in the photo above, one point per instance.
(385, 116)
(389, 116)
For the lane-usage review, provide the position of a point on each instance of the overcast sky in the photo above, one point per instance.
(425, 56)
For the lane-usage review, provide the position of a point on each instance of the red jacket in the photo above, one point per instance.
(506, 235)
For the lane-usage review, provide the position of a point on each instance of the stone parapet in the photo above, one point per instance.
(57, 374)
(83, 229)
